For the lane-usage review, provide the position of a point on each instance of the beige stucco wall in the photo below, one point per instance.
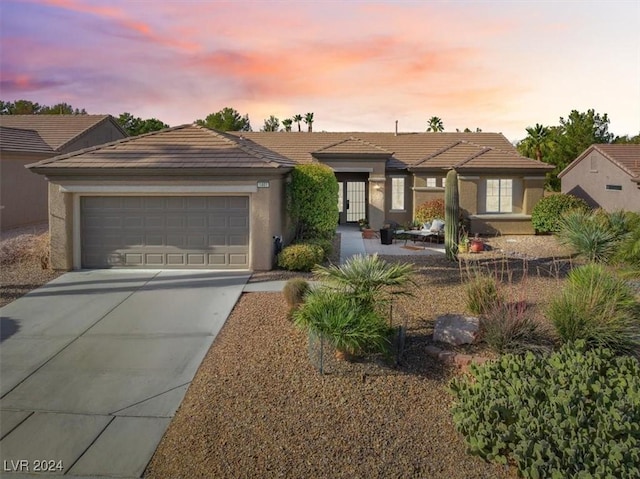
(103, 133)
(590, 184)
(23, 195)
(266, 212)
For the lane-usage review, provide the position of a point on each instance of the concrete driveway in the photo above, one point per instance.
(94, 365)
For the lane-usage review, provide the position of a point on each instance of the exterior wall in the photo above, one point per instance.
(103, 133)
(401, 217)
(588, 180)
(23, 195)
(533, 192)
(501, 224)
(266, 212)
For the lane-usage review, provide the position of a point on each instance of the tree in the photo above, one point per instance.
(626, 139)
(435, 124)
(308, 119)
(227, 119)
(28, 107)
(61, 109)
(287, 122)
(135, 126)
(539, 140)
(563, 143)
(271, 124)
(297, 119)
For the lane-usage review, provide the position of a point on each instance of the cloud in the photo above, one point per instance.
(18, 84)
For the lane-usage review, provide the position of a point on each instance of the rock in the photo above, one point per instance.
(456, 329)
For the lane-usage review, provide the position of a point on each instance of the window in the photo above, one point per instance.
(340, 196)
(432, 182)
(397, 193)
(499, 196)
(614, 187)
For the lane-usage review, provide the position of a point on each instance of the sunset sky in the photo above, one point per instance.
(359, 66)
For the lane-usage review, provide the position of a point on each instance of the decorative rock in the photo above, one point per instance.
(447, 356)
(456, 329)
(433, 351)
(462, 360)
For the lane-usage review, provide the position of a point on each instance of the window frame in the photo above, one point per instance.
(402, 206)
(501, 208)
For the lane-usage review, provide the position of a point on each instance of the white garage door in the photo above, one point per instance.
(165, 231)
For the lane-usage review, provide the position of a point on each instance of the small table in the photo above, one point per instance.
(418, 235)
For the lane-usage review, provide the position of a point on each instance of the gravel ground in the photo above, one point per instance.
(21, 269)
(258, 407)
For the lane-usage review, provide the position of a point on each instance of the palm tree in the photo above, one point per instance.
(297, 119)
(287, 122)
(435, 124)
(308, 119)
(538, 140)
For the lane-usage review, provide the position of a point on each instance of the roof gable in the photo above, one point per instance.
(185, 146)
(625, 156)
(57, 131)
(352, 147)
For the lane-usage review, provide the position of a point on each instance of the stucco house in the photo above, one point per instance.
(606, 176)
(192, 197)
(25, 139)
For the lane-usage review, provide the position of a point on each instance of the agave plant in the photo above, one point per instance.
(369, 279)
(588, 235)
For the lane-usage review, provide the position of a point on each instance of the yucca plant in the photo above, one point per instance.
(599, 308)
(369, 279)
(588, 235)
(348, 324)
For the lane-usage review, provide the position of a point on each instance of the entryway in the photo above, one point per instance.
(352, 197)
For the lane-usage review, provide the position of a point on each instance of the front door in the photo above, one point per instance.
(352, 201)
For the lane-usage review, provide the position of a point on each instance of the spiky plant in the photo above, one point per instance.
(345, 322)
(587, 234)
(451, 215)
(368, 278)
(598, 308)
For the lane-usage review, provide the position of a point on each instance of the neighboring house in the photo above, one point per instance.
(193, 197)
(26, 139)
(606, 176)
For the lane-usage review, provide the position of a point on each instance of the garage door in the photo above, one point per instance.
(165, 232)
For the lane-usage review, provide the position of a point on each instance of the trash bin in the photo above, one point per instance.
(386, 236)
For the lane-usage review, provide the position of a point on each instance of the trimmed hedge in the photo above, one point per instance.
(572, 414)
(300, 257)
(547, 211)
(313, 201)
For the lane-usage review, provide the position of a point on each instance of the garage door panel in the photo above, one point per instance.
(161, 232)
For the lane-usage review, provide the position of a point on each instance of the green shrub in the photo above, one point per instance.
(313, 201)
(598, 308)
(547, 211)
(588, 234)
(482, 293)
(325, 244)
(510, 327)
(572, 414)
(345, 322)
(294, 291)
(369, 279)
(431, 210)
(300, 257)
(628, 249)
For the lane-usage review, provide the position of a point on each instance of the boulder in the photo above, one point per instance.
(456, 329)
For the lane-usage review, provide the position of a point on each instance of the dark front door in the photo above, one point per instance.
(352, 201)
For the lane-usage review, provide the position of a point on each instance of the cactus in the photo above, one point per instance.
(451, 215)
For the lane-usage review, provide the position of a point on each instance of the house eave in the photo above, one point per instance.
(159, 172)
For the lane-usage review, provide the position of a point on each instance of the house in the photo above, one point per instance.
(606, 176)
(25, 139)
(192, 197)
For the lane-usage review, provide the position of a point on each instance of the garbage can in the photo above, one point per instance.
(386, 236)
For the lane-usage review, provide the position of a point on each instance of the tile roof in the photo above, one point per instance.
(625, 155)
(464, 155)
(24, 141)
(352, 146)
(56, 130)
(408, 149)
(186, 146)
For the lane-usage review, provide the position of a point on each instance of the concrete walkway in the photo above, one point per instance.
(95, 364)
(351, 242)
